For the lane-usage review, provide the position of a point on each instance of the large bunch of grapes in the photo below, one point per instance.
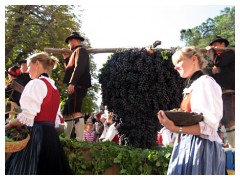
(135, 85)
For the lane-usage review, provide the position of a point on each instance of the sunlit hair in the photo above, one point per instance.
(189, 52)
(48, 62)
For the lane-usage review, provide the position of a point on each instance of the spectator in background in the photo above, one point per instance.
(93, 117)
(100, 127)
(111, 131)
(89, 132)
(98, 115)
(224, 73)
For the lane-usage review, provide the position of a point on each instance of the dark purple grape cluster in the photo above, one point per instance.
(135, 85)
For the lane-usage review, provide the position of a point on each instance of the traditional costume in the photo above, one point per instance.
(41, 113)
(203, 154)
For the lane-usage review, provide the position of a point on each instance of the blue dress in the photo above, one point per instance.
(193, 155)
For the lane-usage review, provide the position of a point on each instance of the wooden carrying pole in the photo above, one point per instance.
(90, 50)
(217, 49)
(113, 50)
(94, 50)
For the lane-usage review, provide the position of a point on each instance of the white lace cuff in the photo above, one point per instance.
(27, 120)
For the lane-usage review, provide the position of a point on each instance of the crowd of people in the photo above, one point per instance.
(99, 129)
(197, 149)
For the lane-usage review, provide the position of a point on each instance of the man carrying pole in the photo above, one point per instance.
(224, 74)
(78, 79)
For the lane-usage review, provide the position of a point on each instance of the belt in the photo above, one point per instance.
(230, 130)
(41, 123)
(228, 91)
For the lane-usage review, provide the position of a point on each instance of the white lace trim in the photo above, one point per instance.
(25, 120)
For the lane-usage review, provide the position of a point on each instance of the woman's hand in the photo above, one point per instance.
(164, 121)
(14, 123)
(8, 126)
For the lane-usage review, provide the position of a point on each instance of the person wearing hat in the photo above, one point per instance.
(224, 73)
(25, 77)
(78, 79)
(14, 73)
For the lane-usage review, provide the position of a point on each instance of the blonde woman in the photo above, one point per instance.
(40, 104)
(199, 148)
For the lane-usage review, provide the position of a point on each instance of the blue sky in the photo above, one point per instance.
(114, 25)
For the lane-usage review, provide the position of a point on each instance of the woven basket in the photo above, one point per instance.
(16, 146)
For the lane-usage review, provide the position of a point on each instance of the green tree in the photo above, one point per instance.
(31, 28)
(223, 25)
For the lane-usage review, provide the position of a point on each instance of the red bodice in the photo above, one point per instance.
(50, 104)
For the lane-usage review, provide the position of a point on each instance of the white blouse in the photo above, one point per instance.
(207, 99)
(31, 99)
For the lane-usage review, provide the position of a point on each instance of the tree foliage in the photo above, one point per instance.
(31, 28)
(223, 25)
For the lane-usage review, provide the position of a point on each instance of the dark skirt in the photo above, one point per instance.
(43, 155)
(193, 155)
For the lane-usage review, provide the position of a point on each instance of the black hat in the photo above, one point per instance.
(74, 35)
(14, 71)
(22, 62)
(219, 39)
